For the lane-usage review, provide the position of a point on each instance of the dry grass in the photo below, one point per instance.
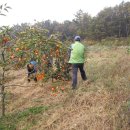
(100, 105)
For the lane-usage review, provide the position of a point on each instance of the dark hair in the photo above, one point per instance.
(29, 69)
(77, 39)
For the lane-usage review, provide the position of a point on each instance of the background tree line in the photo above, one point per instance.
(110, 22)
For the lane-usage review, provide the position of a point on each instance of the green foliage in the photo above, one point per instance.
(4, 8)
(10, 122)
(31, 111)
(34, 43)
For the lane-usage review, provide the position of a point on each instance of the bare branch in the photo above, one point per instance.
(17, 85)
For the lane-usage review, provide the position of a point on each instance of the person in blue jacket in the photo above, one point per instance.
(32, 70)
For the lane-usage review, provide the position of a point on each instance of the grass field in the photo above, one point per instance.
(102, 104)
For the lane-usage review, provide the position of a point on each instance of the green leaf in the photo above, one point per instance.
(1, 6)
(6, 10)
(8, 7)
(3, 14)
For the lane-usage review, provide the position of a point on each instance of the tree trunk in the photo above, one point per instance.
(3, 87)
(2, 101)
(119, 34)
(127, 31)
(3, 94)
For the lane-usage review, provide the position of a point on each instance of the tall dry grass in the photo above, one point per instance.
(103, 104)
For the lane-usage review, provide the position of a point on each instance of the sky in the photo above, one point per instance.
(27, 11)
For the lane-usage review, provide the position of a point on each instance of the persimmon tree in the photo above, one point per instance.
(33, 44)
(49, 52)
(3, 8)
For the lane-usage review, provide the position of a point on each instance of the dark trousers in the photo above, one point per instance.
(32, 72)
(75, 68)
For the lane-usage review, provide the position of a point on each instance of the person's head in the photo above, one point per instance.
(77, 38)
(30, 66)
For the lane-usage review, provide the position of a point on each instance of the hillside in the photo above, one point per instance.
(101, 104)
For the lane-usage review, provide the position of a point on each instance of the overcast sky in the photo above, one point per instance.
(59, 10)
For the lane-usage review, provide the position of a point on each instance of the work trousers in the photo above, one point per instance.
(75, 68)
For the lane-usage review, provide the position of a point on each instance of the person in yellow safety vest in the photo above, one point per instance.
(77, 60)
